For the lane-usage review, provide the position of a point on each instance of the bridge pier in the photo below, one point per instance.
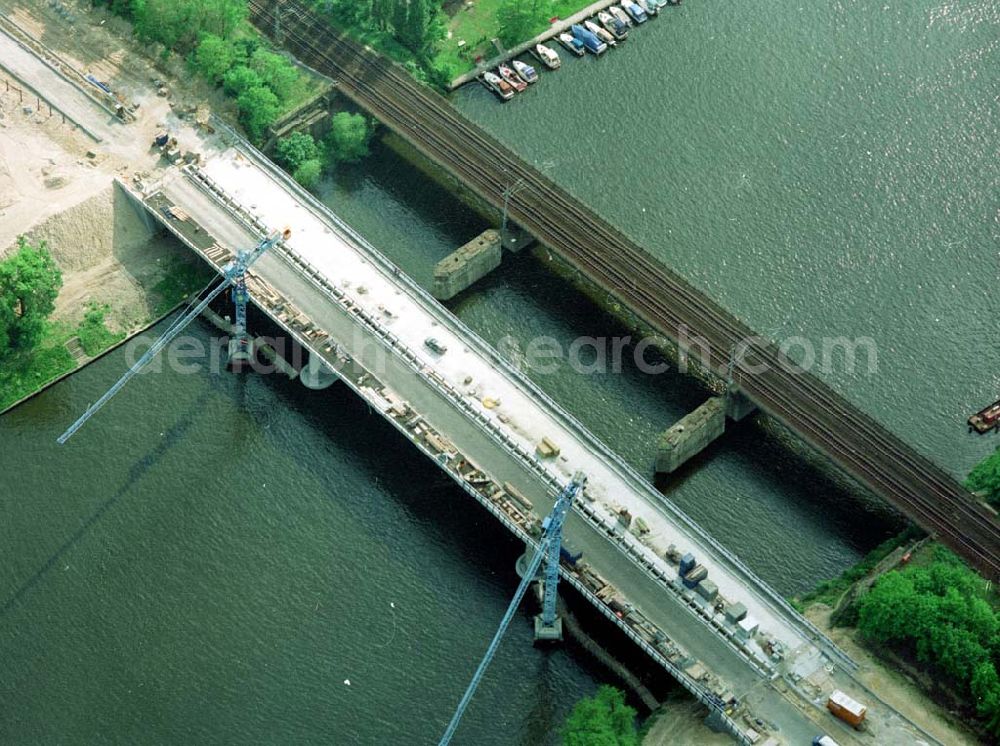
(316, 375)
(697, 430)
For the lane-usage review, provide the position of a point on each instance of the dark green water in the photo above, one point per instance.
(823, 169)
(212, 557)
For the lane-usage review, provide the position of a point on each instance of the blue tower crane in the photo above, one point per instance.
(234, 275)
(548, 549)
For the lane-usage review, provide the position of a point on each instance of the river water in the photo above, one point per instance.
(212, 557)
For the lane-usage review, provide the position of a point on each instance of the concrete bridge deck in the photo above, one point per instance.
(340, 298)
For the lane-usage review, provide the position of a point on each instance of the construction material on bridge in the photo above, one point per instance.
(470, 263)
(864, 448)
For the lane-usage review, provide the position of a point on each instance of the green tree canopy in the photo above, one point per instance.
(601, 720)
(517, 20)
(214, 57)
(348, 138)
(939, 613)
(295, 149)
(276, 72)
(308, 173)
(239, 79)
(259, 108)
(29, 283)
(986, 477)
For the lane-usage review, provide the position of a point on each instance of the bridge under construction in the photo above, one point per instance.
(861, 446)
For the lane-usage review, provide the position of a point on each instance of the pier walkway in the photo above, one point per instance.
(862, 447)
(481, 421)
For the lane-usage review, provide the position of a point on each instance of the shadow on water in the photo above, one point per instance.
(136, 472)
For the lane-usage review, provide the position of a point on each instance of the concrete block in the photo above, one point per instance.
(471, 262)
(738, 406)
(548, 634)
(691, 435)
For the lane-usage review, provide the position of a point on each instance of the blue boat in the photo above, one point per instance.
(589, 40)
(637, 13)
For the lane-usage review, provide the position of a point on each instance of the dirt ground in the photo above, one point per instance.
(894, 687)
(681, 723)
(57, 184)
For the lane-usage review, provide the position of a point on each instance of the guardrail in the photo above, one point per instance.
(627, 473)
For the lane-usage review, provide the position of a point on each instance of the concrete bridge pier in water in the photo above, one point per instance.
(697, 430)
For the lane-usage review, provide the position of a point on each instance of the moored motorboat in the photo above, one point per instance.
(591, 41)
(571, 43)
(650, 6)
(498, 85)
(526, 71)
(635, 12)
(602, 33)
(512, 77)
(613, 25)
(621, 15)
(548, 56)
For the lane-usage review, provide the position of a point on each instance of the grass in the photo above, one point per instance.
(477, 25)
(181, 279)
(93, 333)
(22, 374)
(830, 591)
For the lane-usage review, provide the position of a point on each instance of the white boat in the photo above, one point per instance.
(650, 6)
(512, 77)
(525, 70)
(602, 33)
(612, 24)
(499, 86)
(621, 15)
(572, 44)
(548, 56)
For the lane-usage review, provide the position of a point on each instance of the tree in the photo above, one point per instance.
(295, 149)
(240, 79)
(348, 138)
(601, 720)
(986, 477)
(516, 20)
(258, 109)
(986, 691)
(214, 57)
(276, 72)
(308, 173)
(29, 283)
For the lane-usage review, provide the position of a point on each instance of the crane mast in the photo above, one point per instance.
(234, 275)
(548, 549)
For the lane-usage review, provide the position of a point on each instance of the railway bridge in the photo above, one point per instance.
(857, 443)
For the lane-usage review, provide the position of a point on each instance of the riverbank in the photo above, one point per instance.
(914, 691)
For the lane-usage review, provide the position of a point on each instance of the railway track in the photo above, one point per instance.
(855, 441)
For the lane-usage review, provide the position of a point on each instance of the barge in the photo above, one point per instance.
(986, 419)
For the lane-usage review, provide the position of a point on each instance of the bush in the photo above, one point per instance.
(295, 149)
(601, 720)
(348, 138)
(240, 79)
(214, 57)
(939, 614)
(259, 108)
(94, 335)
(276, 72)
(985, 478)
(308, 173)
